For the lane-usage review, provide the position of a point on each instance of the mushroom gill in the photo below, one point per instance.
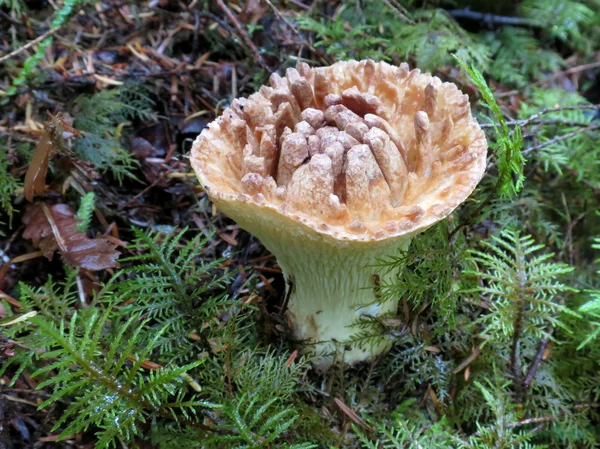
(335, 167)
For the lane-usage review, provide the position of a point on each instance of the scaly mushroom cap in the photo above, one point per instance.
(358, 151)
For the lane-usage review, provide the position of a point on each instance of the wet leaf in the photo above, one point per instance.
(35, 179)
(51, 139)
(54, 228)
(350, 413)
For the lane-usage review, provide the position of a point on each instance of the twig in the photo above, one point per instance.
(522, 123)
(9, 299)
(244, 35)
(399, 6)
(300, 5)
(524, 422)
(526, 122)
(290, 26)
(14, 135)
(351, 414)
(22, 258)
(162, 74)
(536, 363)
(148, 187)
(585, 182)
(561, 138)
(585, 405)
(9, 18)
(515, 366)
(571, 71)
(490, 19)
(80, 290)
(466, 362)
(196, 39)
(465, 221)
(558, 109)
(399, 13)
(28, 45)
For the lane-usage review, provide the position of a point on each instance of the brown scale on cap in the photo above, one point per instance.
(358, 146)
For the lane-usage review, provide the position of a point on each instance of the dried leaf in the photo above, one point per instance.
(351, 414)
(35, 179)
(55, 227)
(17, 319)
(291, 358)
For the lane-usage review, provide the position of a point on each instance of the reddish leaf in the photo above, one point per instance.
(35, 179)
(291, 358)
(55, 227)
(350, 413)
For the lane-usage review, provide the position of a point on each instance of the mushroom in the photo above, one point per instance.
(334, 168)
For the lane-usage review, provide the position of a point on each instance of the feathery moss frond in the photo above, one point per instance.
(518, 58)
(592, 308)
(428, 274)
(255, 423)
(433, 38)
(358, 42)
(85, 211)
(8, 184)
(104, 371)
(103, 357)
(563, 19)
(174, 286)
(518, 281)
(100, 117)
(508, 145)
(578, 152)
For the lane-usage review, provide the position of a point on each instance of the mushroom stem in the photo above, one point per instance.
(330, 287)
(330, 283)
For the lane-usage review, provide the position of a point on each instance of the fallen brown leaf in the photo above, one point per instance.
(351, 414)
(35, 179)
(54, 228)
(53, 438)
(9, 299)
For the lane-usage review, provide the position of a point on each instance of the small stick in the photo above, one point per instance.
(585, 182)
(536, 363)
(490, 19)
(535, 117)
(9, 18)
(561, 138)
(233, 82)
(585, 405)
(351, 414)
(515, 366)
(22, 258)
(28, 45)
(80, 290)
(9, 299)
(558, 109)
(571, 71)
(290, 26)
(243, 34)
(399, 13)
(148, 187)
(466, 362)
(536, 122)
(300, 5)
(524, 422)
